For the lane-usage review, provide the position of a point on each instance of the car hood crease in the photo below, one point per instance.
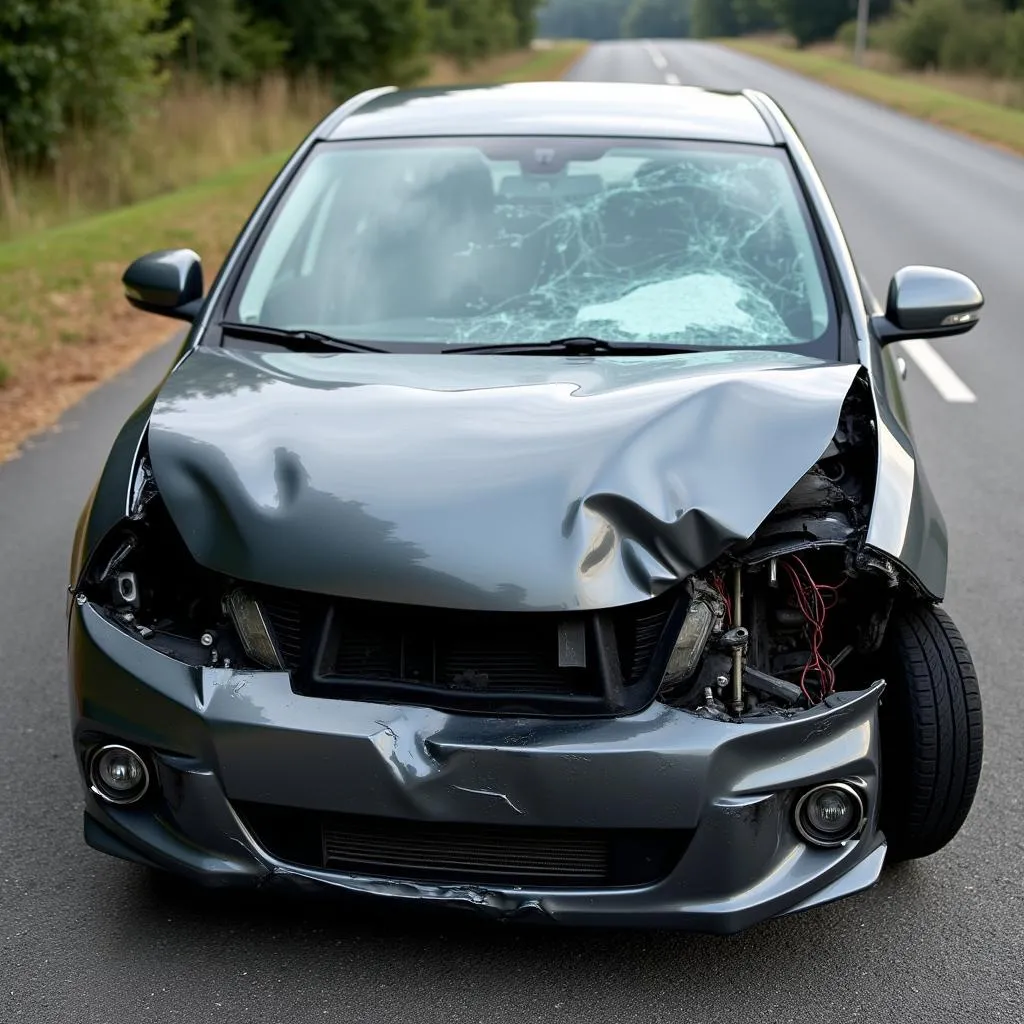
(483, 482)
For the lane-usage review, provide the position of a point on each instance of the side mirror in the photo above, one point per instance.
(168, 282)
(928, 302)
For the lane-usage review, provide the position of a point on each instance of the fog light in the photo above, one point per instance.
(118, 775)
(830, 815)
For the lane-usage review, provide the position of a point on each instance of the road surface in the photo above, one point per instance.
(88, 939)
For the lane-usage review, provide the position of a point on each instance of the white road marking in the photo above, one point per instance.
(672, 78)
(657, 56)
(939, 373)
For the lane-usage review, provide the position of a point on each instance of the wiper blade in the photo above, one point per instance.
(299, 341)
(582, 346)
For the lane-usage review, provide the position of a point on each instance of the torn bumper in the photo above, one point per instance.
(221, 739)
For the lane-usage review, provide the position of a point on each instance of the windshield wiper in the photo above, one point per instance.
(298, 341)
(576, 347)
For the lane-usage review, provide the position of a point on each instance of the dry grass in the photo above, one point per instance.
(64, 324)
(932, 98)
(194, 131)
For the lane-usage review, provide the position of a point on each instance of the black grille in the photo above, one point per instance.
(459, 853)
(498, 663)
(461, 651)
(423, 850)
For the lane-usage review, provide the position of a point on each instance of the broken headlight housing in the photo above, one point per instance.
(143, 577)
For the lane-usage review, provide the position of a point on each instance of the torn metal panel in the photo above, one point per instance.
(501, 483)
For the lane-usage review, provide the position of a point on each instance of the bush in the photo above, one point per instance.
(1014, 44)
(811, 22)
(958, 35)
(919, 31)
(469, 30)
(975, 42)
(847, 34)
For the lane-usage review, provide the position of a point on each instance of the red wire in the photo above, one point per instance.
(814, 600)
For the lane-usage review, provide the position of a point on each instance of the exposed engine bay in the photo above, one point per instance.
(800, 611)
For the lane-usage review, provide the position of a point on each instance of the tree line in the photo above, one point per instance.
(807, 20)
(958, 35)
(90, 64)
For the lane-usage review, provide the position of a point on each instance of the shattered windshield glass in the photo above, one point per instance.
(519, 241)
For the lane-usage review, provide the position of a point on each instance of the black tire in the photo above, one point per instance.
(931, 732)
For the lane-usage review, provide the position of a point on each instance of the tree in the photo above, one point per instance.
(471, 29)
(355, 42)
(661, 18)
(222, 40)
(812, 20)
(75, 63)
(754, 15)
(525, 14)
(713, 18)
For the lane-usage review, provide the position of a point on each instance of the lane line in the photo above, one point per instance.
(673, 79)
(660, 62)
(940, 374)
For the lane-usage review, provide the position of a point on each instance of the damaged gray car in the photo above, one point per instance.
(530, 524)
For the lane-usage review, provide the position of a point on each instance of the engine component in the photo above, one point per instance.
(711, 707)
(739, 650)
(787, 694)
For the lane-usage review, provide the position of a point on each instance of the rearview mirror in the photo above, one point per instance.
(168, 282)
(928, 302)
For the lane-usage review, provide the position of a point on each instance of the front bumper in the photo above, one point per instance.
(222, 738)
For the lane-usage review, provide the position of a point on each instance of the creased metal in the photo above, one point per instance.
(486, 482)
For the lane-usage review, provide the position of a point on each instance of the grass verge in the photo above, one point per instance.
(988, 122)
(64, 324)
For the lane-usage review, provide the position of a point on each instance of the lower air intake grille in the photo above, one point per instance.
(458, 853)
(498, 854)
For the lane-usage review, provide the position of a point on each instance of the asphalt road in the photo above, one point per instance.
(84, 938)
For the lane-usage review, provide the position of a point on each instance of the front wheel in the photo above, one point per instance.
(931, 732)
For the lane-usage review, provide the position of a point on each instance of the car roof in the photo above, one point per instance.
(623, 110)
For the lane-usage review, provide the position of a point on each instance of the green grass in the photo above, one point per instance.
(986, 121)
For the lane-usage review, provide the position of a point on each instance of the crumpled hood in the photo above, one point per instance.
(489, 482)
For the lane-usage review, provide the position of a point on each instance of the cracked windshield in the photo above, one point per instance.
(529, 240)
